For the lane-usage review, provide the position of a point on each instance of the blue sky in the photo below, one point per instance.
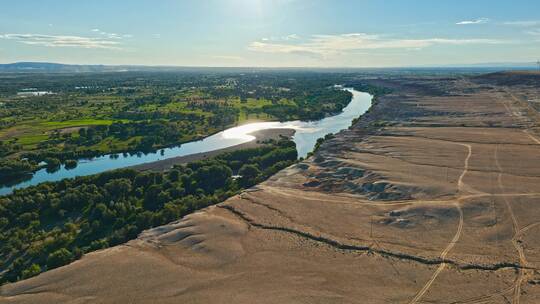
(310, 33)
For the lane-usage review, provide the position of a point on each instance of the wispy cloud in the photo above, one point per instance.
(476, 21)
(529, 27)
(227, 57)
(534, 32)
(291, 37)
(64, 41)
(282, 38)
(324, 45)
(523, 23)
(111, 35)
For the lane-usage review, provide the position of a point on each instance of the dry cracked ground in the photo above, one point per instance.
(433, 197)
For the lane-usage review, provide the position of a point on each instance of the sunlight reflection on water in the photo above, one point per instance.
(305, 137)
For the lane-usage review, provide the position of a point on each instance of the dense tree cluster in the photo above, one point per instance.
(313, 106)
(371, 89)
(7, 147)
(13, 170)
(151, 133)
(52, 224)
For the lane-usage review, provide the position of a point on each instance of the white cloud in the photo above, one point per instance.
(477, 21)
(157, 36)
(324, 45)
(63, 41)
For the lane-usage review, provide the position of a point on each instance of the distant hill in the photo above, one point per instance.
(52, 67)
(48, 67)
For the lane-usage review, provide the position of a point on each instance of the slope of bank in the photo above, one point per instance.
(432, 197)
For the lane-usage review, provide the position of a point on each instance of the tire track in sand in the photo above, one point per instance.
(457, 235)
(532, 137)
(517, 232)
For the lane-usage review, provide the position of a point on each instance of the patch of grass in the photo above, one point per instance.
(250, 103)
(174, 107)
(51, 125)
(246, 108)
(110, 143)
(245, 117)
(31, 140)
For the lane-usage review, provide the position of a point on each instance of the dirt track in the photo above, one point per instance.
(433, 197)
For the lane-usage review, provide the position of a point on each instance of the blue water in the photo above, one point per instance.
(305, 138)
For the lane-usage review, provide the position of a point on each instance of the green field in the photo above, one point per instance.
(53, 125)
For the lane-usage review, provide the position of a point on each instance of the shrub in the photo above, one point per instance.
(249, 174)
(59, 258)
(71, 164)
(31, 271)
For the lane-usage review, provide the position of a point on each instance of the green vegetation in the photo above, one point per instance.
(371, 89)
(52, 224)
(71, 164)
(94, 114)
(11, 170)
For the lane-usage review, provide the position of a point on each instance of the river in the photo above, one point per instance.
(305, 137)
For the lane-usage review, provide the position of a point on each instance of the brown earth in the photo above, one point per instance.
(433, 197)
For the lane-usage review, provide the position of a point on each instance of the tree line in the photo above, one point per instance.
(54, 223)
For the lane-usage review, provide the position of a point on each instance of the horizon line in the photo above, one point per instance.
(520, 64)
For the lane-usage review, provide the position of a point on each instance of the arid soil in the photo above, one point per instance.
(433, 197)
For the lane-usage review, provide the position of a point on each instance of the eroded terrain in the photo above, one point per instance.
(433, 197)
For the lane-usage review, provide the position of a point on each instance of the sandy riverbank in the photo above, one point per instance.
(261, 137)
